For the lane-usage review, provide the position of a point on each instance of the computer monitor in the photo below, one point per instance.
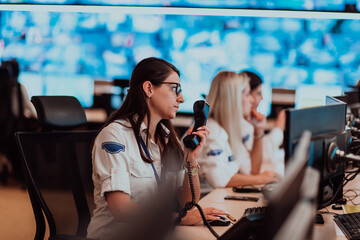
(314, 95)
(283, 198)
(326, 123)
(298, 224)
(352, 98)
(107, 42)
(78, 85)
(33, 83)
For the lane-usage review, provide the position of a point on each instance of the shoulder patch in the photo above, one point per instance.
(231, 158)
(113, 147)
(247, 137)
(214, 152)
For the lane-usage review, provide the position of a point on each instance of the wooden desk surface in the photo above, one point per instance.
(216, 199)
(236, 209)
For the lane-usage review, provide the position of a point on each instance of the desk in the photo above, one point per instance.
(237, 208)
(216, 199)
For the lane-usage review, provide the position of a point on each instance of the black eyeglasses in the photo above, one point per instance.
(177, 88)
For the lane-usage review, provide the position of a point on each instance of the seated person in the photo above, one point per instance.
(273, 156)
(231, 156)
(134, 148)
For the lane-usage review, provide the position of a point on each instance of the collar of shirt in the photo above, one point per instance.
(143, 129)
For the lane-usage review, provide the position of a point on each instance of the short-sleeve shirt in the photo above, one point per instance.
(218, 164)
(118, 166)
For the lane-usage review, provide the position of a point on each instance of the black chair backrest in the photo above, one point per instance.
(58, 172)
(5, 107)
(13, 67)
(59, 112)
(11, 108)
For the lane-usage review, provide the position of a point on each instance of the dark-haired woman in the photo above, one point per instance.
(136, 144)
(273, 156)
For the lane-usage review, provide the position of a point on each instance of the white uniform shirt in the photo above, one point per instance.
(216, 159)
(118, 166)
(273, 156)
(247, 132)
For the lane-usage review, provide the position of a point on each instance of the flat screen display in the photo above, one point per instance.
(287, 48)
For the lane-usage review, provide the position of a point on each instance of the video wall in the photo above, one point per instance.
(64, 52)
(317, 5)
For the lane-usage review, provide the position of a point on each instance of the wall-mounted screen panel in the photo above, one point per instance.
(288, 49)
(312, 5)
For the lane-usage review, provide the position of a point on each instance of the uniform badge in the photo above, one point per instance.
(214, 152)
(113, 147)
(246, 138)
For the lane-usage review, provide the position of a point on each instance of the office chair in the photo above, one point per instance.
(11, 120)
(58, 168)
(59, 113)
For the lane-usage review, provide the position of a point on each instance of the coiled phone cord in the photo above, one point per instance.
(190, 205)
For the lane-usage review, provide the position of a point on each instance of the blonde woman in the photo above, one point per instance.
(232, 155)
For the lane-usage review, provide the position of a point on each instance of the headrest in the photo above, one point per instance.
(4, 74)
(59, 112)
(13, 67)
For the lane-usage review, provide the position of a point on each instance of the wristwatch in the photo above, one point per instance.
(194, 170)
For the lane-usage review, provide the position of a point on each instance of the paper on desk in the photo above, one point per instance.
(351, 208)
(338, 230)
(347, 209)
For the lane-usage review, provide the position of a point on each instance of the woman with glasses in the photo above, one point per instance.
(138, 145)
(230, 156)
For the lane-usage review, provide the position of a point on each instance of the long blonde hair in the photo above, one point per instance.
(225, 100)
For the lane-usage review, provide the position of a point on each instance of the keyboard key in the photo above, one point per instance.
(349, 224)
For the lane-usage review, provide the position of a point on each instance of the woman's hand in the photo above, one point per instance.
(193, 216)
(203, 132)
(268, 176)
(281, 120)
(259, 126)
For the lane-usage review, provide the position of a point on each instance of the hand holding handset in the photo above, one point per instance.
(201, 113)
(191, 141)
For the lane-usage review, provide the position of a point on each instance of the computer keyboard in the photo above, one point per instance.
(349, 224)
(255, 212)
(248, 226)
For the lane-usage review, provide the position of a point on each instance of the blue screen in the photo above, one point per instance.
(79, 86)
(321, 5)
(286, 51)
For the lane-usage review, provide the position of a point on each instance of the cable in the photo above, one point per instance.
(352, 197)
(192, 189)
(352, 171)
(352, 177)
(190, 205)
(346, 180)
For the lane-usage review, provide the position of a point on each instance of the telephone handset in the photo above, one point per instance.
(258, 116)
(201, 113)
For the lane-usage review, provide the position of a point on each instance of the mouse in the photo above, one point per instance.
(268, 189)
(223, 221)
